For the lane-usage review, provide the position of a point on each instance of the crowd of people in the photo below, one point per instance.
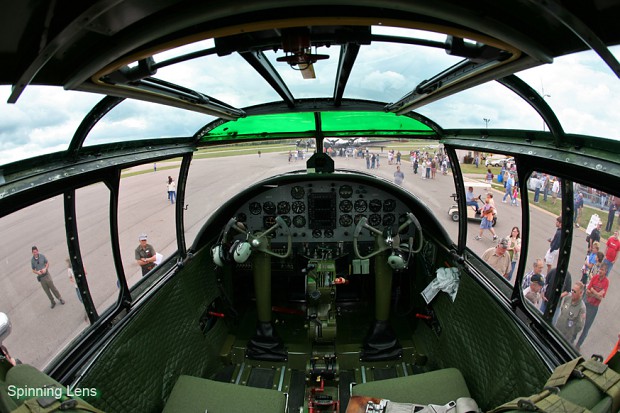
(579, 299)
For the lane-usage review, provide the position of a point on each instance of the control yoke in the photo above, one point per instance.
(260, 241)
(386, 240)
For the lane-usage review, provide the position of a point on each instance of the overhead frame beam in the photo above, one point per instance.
(72, 30)
(533, 98)
(348, 54)
(261, 64)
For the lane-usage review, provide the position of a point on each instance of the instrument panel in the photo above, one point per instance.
(322, 211)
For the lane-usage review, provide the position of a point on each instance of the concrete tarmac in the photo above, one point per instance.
(39, 332)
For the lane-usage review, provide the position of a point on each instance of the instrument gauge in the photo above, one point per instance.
(358, 217)
(298, 192)
(389, 205)
(388, 220)
(298, 207)
(269, 208)
(345, 206)
(360, 205)
(299, 221)
(374, 220)
(345, 220)
(287, 219)
(328, 233)
(374, 205)
(317, 233)
(255, 208)
(284, 207)
(345, 191)
(269, 221)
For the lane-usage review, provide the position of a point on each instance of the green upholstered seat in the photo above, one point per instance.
(435, 387)
(193, 394)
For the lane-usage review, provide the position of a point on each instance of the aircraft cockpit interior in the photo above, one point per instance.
(309, 207)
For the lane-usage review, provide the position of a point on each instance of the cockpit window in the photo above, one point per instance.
(591, 328)
(494, 214)
(146, 217)
(142, 120)
(303, 125)
(92, 208)
(584, 315)
(37, 291)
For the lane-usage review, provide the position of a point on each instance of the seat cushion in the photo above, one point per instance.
(435, 387)
(193, 394)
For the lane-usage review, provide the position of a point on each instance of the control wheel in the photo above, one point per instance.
(385, 239)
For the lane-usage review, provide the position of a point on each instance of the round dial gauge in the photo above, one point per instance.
(357, 218)
(317, 233)
(255, 208)
(298, 207)
(345, 191)
(269, 208)
(388, 220)
(345, 220)
(328, 233)
(346, 206)
(287, 219)
(298, 192)
(360, 205)
(299, 221)
(269, 221)
(374, 220)
(284, 207)
(389, 205)
(374, 205)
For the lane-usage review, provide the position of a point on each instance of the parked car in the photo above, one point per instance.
(499, 161)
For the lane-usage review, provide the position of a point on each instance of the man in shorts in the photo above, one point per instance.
(488, 211)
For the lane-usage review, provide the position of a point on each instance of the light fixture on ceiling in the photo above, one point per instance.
(296, 45)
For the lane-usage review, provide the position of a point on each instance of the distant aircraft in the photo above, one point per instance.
(351, 142)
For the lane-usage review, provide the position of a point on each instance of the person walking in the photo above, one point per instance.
(40, 267)
(508, 188)
(172, 190)
(489, 176)
(555, 190)
(578, 208)
(399, 176)
(487, 218)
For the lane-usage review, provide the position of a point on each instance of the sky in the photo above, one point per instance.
(580, 88)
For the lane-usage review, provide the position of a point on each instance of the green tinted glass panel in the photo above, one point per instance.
(371, 123)
(333, 124)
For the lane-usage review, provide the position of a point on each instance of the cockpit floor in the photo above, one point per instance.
(305, 374)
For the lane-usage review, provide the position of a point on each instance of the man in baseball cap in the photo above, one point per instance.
(498, 258)
(145, 255)
(533, 292)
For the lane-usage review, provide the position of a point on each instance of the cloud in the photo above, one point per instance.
(582, 92)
